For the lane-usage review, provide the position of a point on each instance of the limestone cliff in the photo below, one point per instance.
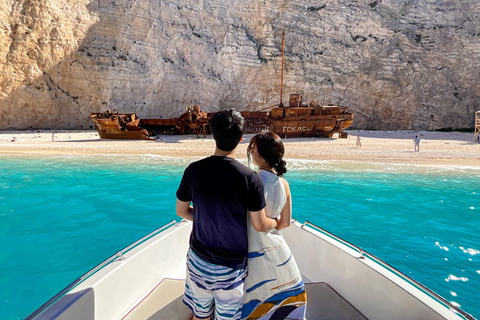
(410, 64)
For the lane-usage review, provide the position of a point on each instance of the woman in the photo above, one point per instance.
(274, 286)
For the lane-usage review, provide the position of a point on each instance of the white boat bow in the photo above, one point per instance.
(146, 281)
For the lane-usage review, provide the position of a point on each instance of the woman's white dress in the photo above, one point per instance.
(274, 286)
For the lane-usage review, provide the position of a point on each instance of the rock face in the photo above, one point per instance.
(411, 64)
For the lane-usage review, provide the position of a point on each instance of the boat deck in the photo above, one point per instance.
(165, 302)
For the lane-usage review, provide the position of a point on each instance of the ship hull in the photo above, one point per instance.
(309, 128)
(297, 122)
(119, 126)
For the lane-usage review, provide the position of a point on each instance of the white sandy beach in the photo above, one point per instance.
(436, 148)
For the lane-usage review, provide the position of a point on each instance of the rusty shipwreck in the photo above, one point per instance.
(297, 119)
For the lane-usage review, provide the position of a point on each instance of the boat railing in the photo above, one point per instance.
(364, 254)
(331, 235)
(119, 256)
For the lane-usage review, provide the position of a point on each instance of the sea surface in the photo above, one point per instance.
(61, 216)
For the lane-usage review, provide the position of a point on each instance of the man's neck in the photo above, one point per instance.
(222, 153)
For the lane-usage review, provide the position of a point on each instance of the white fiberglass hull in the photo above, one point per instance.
(144, 281)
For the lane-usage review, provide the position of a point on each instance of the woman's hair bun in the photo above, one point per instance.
(281, 168)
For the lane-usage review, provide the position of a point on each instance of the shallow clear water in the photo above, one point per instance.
(61, 216)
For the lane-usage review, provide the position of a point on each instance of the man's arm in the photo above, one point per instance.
(261, 222)
(184, 210)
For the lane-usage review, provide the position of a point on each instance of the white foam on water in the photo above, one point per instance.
(130, 159)
(455, 278)
(470, 251)
(365, 166)
(437, 244)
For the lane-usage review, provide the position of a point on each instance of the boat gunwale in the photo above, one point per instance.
(116, 257)
(365, 254)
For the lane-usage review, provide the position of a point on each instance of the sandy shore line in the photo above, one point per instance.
(436, 148)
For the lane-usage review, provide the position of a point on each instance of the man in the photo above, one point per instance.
(417, 144)
(223, 191)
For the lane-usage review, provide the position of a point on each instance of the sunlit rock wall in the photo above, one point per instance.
(396, 64)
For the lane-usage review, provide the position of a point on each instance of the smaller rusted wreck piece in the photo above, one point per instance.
(113, 125)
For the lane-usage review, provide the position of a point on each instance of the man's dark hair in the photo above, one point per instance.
(227, 129)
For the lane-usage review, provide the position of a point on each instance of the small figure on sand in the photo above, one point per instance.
(359, 143)
(14, 139)
(417, 144)
(53, 136)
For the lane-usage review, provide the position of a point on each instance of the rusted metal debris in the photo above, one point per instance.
(295, 120)
(193, 121)
(113, 125)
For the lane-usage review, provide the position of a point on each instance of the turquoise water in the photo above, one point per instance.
(61, 216)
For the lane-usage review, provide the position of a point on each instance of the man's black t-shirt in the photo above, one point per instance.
(222, 191)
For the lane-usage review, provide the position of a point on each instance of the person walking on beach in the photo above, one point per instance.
(273, 274)
(223, 192)
(359, 143)
(417, 144)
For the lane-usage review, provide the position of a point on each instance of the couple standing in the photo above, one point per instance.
(236, 216)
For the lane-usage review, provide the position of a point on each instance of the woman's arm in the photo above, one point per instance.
(286, 213)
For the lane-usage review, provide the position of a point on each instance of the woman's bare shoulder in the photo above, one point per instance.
(285, 183)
